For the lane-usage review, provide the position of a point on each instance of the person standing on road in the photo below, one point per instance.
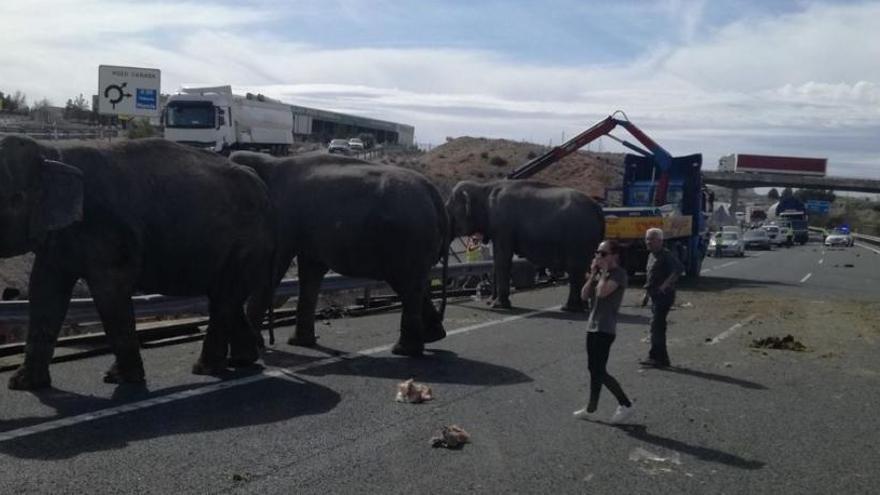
(605, 286)
(663, 270)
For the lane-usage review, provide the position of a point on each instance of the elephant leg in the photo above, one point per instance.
(244, 340)
(50, 290)
(502, 265)
(576, 279)
(258, 303)
(432, 321)
(113, 300)
(410, 342)
(212, 360)
(310, 275)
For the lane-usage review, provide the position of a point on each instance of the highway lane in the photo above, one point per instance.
(726, 419)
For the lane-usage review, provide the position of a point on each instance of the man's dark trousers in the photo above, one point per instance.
(660, 306)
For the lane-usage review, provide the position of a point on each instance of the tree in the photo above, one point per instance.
(815, 195)
(787, 193)
(773, 194)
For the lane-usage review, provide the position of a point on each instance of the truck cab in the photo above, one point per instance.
(215, 118)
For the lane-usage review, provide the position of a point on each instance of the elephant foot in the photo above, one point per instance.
(501, 304)
(434, 332)
(573, 308)
(26, 378)
(211, 368)
(410, 350)
(303, 341)
(132, 374)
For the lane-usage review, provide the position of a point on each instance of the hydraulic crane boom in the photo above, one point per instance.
(660, 156)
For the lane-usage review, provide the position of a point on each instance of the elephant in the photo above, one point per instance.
(145, 215)
(552, 227)
(360, 220)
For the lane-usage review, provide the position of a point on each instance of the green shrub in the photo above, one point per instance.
(531, 155)
(138, 129)
(484, 155)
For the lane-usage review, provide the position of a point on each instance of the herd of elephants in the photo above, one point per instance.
(154, 216)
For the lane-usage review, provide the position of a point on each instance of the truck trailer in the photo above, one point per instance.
(747, 163)
(215, 118)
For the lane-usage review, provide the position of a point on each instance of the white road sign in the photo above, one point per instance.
(131, 91)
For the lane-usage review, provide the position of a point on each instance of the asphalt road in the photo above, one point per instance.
(725, 419)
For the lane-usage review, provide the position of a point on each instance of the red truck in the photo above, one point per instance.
(742, 162)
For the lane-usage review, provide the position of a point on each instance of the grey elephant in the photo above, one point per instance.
(553, 227)
(146, 215)
(360, 220)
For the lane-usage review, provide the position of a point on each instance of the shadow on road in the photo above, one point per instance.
(718, 284)
(267, 401)
(640, 432)
(714, 377)
(435, 367)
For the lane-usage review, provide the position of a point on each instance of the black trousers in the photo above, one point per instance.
(660, 306)
(598, 349)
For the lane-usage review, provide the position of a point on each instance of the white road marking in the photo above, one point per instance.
(727, 333)
(806, 277)
(869, 248)
(268, 372)
(728, 264)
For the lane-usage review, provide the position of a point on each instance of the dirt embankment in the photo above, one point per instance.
(483, 159)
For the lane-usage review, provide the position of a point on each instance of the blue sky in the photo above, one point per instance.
(778, 77)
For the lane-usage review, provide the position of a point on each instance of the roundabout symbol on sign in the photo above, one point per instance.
(119, 89)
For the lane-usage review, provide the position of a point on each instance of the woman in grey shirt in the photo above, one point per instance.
(604, 288)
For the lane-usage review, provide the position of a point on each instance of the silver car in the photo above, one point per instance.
(726, 244)
(839, 238)
(756, 239)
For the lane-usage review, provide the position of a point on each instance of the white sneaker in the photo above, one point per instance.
(583, 414)
(622, 414)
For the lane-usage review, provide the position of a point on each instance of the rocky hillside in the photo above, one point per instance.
(482, 159)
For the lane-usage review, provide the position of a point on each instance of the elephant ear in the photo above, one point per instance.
(61, 200)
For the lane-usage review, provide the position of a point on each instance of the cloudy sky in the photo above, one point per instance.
(776, 77)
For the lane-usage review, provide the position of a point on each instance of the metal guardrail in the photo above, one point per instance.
(83, 310)
(859, 237)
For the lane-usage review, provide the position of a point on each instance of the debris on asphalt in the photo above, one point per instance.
(413, 393)
(451, 437)
(652, 463)
(728, 365)
(687, 305)
(848, 265)
(787, 343)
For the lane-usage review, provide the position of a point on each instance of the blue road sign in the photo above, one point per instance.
(821, 207)
(146, 98)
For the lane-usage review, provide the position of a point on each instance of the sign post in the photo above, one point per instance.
(128, 91)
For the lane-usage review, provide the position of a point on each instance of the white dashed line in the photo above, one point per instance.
(806, 277)
(268, 372)
(727, 333)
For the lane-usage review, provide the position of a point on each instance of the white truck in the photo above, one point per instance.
(214, 118)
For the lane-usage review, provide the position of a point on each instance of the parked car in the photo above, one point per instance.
(339, 146)
(730, 244)
(356, 144)
(839, 238)
(732, 228)
(773, 234)
(756, 239)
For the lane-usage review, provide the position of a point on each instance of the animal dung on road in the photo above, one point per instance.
(413, 393)
(451, 437)
(787, 343)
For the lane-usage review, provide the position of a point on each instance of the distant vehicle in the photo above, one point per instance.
(741, 162)
(756, 239)
(355, 144)
(731, 244)
(839, 238)
(338, 146)
(732, 228)
(215, 118)
(792, 211)
(773, 234)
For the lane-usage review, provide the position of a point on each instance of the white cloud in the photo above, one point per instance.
(805, 82)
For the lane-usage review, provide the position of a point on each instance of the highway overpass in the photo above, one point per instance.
(747, 180)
